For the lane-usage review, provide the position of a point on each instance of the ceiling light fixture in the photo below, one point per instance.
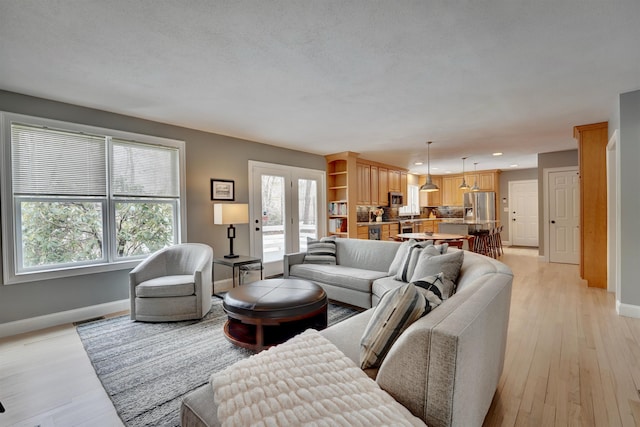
(497, 154)
(464, 185)
(429, 186)
(475, 184)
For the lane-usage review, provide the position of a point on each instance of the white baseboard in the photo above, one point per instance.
(62, 317)
(628, 310)
(79, 314)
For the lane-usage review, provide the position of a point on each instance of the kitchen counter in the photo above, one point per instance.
(376, 223)
(468, 221)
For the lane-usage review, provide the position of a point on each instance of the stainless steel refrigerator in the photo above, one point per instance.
(480, 206)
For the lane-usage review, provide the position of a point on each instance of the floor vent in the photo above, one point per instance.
(82, 322)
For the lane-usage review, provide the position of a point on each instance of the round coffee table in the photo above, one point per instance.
(269, 312)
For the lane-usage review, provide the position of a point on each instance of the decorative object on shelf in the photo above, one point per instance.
(464, 185)
(222, 189)
(230, 214)
(378, 214)
(429, 186)
(475, 184)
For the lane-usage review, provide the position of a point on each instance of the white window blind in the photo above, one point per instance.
(52, 162)
(143, 170)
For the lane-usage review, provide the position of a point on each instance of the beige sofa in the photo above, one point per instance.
(444, 368)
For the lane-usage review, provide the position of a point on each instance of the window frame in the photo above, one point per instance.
(9, 209)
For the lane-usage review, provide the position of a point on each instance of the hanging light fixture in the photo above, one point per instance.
(464, 185)
(475, 184)
(429, 186)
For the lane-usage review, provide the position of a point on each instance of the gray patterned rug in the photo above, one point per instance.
(146, 368)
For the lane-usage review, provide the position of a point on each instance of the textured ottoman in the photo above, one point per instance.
(269, 312)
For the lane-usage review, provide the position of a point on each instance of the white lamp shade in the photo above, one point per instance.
(230, 213)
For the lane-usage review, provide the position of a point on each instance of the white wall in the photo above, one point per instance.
(629, 168)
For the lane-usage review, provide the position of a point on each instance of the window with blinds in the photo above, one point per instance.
(82, 197)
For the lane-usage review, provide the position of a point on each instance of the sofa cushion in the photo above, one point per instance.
(397, 310)
(430, 264)
(321, 251)
(339, 275)
(167, 286)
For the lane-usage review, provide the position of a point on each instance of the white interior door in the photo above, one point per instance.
(285, 209)
(564, 220)
(523, 202)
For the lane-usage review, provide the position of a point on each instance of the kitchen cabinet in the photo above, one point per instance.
(592, 149)
(452, 195)
(363, 232)
(403, 186)
(394, 181)
(488, 181)
(363, 172)
(383, 186)
(375, 184)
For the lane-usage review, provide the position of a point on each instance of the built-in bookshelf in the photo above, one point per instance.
(338, 196)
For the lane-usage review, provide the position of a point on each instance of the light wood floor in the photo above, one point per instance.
(571, 360)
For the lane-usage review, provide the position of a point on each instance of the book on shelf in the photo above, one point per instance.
(338, 225)
(338, 208)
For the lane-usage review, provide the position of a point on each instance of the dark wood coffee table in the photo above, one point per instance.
(269, 312)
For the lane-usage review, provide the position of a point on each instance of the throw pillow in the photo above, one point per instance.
(433, 289)
(397, 309)
(401, 254)
(405, 270)
(430, 263)
(321, 251)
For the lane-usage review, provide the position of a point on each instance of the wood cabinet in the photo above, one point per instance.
(363, 232)
(375, 185)
(394, 180)
(383, 186)
(403, 186)
(451, 193)
(592, 148)
(351, 182)
(363, 194)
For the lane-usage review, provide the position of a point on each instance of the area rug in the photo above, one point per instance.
(146, 368)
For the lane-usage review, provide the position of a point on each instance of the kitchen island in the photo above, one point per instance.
(465, 226)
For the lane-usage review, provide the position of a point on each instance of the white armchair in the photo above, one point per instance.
(174, 283)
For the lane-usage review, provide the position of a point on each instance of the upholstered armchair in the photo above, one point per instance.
(172, 284)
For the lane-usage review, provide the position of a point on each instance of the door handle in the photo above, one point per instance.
(513, 220)
(553, 222)
(257, 228)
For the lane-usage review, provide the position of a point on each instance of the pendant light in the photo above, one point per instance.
(464, 185)
(475, 184)
(429, 186)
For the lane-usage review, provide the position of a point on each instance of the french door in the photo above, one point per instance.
(286, 206)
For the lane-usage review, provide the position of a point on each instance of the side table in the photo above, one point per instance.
(236, 263)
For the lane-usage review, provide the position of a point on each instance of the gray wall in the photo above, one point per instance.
(629, 168)
(208, 156)
(505, 178)
(550, 160)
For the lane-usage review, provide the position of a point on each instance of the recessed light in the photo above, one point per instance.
(497, 154)
(435, 169)
(513, 166)
(418, 164)
(448, 172)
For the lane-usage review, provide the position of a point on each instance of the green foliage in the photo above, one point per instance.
(68, 232)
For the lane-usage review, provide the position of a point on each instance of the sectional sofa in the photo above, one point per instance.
(444, 368)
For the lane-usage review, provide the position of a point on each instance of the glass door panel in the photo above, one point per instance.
(308, 211)
(273, 218)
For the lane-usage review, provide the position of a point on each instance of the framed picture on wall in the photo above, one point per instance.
(222, 189)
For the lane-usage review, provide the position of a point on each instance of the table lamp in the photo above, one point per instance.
(229, 214)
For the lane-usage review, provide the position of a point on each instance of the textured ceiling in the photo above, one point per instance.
(376, 77)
